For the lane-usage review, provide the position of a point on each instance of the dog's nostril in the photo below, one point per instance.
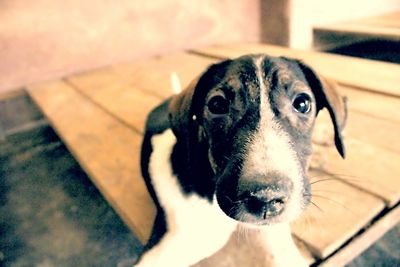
(266, 204)
(274, 207)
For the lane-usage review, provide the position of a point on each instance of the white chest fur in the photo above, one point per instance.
(191, 220)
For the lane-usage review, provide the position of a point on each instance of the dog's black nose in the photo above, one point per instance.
(266, 200)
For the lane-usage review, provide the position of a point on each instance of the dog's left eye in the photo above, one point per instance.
(302, 103)
(218, 104)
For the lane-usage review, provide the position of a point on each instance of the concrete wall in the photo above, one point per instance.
(44, 39)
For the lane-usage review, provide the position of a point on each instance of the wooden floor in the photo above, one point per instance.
(100, 116)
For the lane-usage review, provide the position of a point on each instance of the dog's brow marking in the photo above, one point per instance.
(270, 148)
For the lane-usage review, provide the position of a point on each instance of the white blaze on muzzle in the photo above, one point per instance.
(270, 151)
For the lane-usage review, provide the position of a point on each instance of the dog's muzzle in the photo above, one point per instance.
(258, 200)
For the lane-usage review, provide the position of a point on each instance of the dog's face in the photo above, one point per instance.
(255, 114)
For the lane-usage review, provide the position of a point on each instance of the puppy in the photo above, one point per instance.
(232, 150)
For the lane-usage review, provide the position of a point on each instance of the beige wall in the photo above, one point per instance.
(43, 39)
(307, 13)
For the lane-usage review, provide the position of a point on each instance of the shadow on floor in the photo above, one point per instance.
(50, 212)
(383, 50)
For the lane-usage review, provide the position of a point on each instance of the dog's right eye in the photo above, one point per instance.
(218, 104)
(302, 103)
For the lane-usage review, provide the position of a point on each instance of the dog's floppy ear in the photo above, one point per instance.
(327, 96)
(182, 108)
(179, 109)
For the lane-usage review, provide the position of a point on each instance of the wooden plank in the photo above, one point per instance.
(381, 27)
(372, 154)
(391, 20)
(360, 126)
(116, 96)
(379, 32)
(361, 73)
(131, 90)
(364, 240)
(372, 168)
(374, 131)
(153, 75)
(339, 211)
(105, 148)
(375, 105)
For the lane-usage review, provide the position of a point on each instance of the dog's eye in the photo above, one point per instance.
(218, 104)
(302, 103)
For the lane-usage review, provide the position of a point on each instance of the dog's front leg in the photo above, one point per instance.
(278, 243)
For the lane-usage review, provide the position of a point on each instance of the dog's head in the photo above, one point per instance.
(254, 118)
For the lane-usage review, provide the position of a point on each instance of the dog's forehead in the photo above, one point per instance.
(245, 70)
(279, 70)
(247, 75)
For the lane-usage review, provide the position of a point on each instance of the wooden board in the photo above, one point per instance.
(115, 96)
(106, 149)
(154, 75)
(374, 131)
(374, 105)
(337, 213)
(373, 119)
(362, 241)
(385, 27)
(371, 75)
(131, 90)
(369, 167)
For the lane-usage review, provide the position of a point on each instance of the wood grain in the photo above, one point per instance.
(374, 131)
(154, 75)
(364, 240)
(367, 74)
(338, 212)
(369, 167)
(374, 105)
(131, 90)
(383, 27)
(116, 96)
(107, 150)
